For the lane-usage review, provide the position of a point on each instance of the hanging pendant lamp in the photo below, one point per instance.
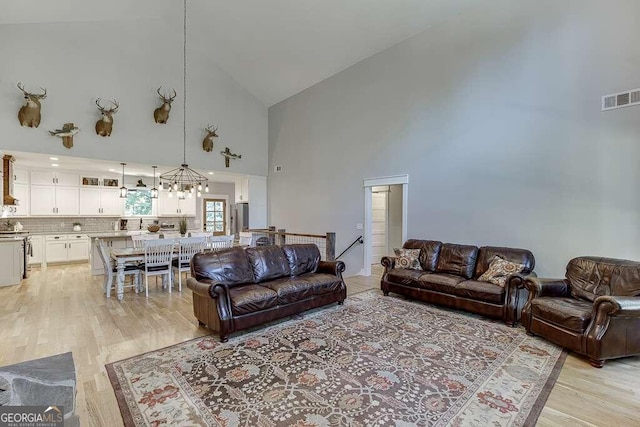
(183, 179)
(154, 190)
(123, 189)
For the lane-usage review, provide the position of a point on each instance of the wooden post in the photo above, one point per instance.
(331, 246)
(282, 239)
(272, 235)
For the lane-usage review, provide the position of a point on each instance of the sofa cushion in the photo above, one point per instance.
(403, 276)
(515, 255)
(302, 258)
(251, 298)
(457, 259)
(591, 277)
(499, 270)
(268, 262)
(480, 291)
(430, 249)
(445, 283)
(228, 266)
(408, 258)
(568, 313)
(290, 290)
(320, 283)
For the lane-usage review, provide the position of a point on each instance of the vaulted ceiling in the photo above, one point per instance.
(274, 48)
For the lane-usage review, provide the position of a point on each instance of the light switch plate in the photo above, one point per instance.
(359, 226)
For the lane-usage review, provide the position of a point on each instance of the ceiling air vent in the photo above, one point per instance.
(277, 168)
(622, 99)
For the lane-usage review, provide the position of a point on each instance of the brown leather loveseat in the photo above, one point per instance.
(238, 288)
(594, 310)
(449, 276)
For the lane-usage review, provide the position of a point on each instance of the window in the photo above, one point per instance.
(215, 214)
(138, 203)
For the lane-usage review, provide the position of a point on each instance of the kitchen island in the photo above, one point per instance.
(11, 261)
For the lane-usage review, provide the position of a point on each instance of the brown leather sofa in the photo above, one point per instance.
(594, 310)
(238, 288)
(449, 277)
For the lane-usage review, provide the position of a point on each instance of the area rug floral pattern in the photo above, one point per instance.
(376, 361)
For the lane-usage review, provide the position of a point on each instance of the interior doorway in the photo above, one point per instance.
(385, 225)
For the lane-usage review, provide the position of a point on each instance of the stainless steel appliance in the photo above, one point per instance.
(241, 217)
(27, 252)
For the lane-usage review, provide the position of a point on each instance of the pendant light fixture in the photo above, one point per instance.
(183, 180)
(154, 190)
(123, 189)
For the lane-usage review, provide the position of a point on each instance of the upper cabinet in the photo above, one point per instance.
(101, 201)
(251, 189)
(54, 193)
(172, 206)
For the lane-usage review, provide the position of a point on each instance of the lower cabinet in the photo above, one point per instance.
(66, 247)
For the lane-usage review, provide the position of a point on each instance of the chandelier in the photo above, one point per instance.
(183, 180)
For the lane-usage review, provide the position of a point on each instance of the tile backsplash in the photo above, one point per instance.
(89, 224)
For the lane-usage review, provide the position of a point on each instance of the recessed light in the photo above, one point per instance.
(210, 173)
(112, 170)
(53, 158)
(55, 165)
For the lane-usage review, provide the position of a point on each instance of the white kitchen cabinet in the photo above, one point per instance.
(251, 189)
(20, 176)
(54, 200)
(77, 248)
(242, 190)
(100, 201)
(56, 248)
(172, 206)
(63, 248)
(36, 250)
(21, 193)
(54, 178)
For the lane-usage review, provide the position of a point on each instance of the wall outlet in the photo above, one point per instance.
(359, 226)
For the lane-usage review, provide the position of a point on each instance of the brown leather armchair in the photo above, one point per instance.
(594, 311)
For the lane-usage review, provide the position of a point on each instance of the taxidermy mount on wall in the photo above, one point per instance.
(207, 142)
(161, 114)
(105, 124)
(229, 155)
(66, 133)
(29, 113)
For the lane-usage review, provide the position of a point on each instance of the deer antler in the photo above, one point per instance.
(100, 107)
(115, 105)
(174, 95)
(167, 99)
(43, 95)
(21, 87)
(208, 128)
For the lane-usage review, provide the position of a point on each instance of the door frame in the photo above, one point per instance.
(227, 213)
(368, 183)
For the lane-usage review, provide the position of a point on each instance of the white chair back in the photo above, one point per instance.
(220, 242)
(158, 252)
(104, 256)
(246, 239)
(139, 239)
(189, 247)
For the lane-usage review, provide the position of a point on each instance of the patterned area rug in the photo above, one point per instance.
(376, 361)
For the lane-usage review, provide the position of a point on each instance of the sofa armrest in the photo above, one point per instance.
(516, 281)
(331, 267)
(204, 289)
(546, 287)
(617, 306)
(388, 262)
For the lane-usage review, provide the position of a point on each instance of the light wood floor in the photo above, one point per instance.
(60, 309)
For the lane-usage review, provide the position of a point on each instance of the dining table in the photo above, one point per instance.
(128, 256)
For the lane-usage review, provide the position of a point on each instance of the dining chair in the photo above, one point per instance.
(157, 261)
(187, 248)
(110, 270)
(246, 238)
(139, 239)
(171, 235)
(206, 234)
(221, 242)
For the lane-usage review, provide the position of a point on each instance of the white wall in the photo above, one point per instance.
(127, 60)
(495, 117)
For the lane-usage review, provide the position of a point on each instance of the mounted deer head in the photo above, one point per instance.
(161, 114)
(29, 114)
(105, 124)
(207, 142)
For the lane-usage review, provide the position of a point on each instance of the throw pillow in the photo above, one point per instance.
(499, 270)
(408, 258)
